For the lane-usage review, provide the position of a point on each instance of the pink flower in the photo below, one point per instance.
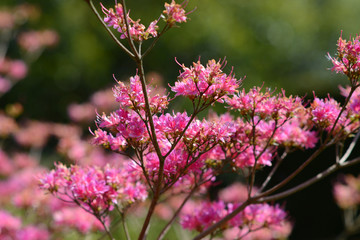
(171, 125)
(295, 133)
(5, 85)
(115, 18)
(95, 189)
(77, 218)
(347, 60)
(325, 112)
(175, 12)
(132, 96)
(248, 157)
(265, 104)
(208, 83)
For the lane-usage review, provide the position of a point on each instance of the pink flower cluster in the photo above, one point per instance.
(272, 119)
(325, 113)
(115, 18)
(95, 189)
(354, 102)
(208, 83)
(265, 104)
(175, 13)
(132, 96)
(347, 60)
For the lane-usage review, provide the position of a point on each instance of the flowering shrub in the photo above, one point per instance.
(179, 154)
(161, 158)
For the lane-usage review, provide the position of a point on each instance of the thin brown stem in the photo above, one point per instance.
(309, 182)
(123, 222)
(107, 230)
(129, 38)
(273, 170)
(170, 222)
(93, 8)
(295, 173)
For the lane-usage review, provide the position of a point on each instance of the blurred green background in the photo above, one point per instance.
(280, 43)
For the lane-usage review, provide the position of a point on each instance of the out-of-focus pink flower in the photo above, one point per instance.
(33, 233)
(18, 69)
(13, 69)
(65, 130)
(81, 112)
(34, 41)
(7, 167)
(9, 225)
(23, 160)
(104, 100)
(236, 192)
(164, 211)
(7, 20)
(77, 218)
(33, 134)
(346, 192)
(5, 85)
